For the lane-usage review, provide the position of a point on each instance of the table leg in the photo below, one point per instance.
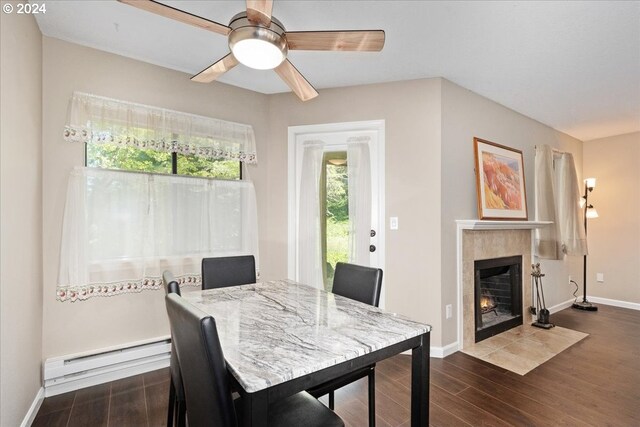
(254, 410)
(420, 383)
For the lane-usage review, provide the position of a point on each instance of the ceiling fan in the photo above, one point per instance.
(258, 40)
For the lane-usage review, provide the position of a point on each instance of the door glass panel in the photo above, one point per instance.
(335, 205)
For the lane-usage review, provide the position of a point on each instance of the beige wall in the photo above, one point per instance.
(466, 114)
(103, 322)
(411, 111)
(614, 237)
(21, 216)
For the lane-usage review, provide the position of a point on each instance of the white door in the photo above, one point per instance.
(333, 141)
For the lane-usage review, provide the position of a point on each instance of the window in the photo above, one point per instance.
(334, 202)
(121, 230)
(131, 158)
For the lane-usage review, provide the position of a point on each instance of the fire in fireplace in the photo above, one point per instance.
(487, 304)
(498, 295)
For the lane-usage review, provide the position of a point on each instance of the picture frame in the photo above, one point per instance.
(500, 183)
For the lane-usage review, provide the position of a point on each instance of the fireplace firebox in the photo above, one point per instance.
(498, 295)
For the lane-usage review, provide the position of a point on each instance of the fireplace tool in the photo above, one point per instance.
(541, 308)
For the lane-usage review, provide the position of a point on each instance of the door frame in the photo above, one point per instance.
(296, 132)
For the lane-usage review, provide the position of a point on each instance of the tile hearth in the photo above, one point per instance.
(524, 348)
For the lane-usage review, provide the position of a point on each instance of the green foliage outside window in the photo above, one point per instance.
(112, 156)
(337, 218)
(337, 187)
(203, 166)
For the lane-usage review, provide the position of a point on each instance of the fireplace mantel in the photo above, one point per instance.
(476, 224)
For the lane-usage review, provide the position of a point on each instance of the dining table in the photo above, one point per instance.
(281, 337)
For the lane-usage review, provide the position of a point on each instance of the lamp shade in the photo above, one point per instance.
(590, 182)
(592, 213)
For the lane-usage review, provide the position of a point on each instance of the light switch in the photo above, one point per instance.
(600, 277)
(393, 223)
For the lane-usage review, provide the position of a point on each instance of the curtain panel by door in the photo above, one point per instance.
(99, 120)
(121, 230)
(558, 200)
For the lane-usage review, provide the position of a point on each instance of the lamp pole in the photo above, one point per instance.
(584, 304)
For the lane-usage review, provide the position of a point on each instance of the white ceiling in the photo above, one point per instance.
(574, 66)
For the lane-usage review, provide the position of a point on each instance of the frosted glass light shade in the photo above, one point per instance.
(591, 182)
(592, 213)
(258, 54)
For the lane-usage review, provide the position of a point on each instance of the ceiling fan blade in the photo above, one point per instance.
(260, 11)
(296, 81)
(361, 41)
(178, 15)
(216, 69)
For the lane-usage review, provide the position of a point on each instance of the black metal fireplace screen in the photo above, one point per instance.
(498, 295)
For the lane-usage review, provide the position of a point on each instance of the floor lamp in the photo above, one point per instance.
(589, 212)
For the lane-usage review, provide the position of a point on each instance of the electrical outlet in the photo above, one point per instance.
(448, 311)
(600, 277)
(569, 279)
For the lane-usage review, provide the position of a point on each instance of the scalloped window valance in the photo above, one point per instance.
(99, 120)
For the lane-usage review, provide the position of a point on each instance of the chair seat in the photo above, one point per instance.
(340, 382)
(301, 409)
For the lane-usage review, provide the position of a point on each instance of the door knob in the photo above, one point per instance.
(372, 248)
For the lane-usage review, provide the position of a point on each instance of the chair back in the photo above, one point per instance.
(171, 287)
(358, 282)
(170, 283)
(204, 371)
(221, 272)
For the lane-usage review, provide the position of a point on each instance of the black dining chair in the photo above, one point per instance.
(206, 382)
(221, 272)
(362, 284)
(176, 414)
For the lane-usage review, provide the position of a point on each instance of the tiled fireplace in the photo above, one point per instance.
(509, 243)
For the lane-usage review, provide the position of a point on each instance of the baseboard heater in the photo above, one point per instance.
(64, 374)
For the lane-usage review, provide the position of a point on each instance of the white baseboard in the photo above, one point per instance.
(606, 301)
(439, 352)
(442, 352)
(33, 409)
(559, 307)
(615, 303)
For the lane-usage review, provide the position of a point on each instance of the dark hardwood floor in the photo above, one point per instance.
(596, 382)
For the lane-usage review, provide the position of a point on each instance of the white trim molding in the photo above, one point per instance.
(559, 307)
(442, 352)
(614, 302)
(30, 416)
(476, 224)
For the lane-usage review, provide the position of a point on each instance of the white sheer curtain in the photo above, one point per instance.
(558, 200)
(121, 230)
(99, 120)
(309, 231)
(359, 185)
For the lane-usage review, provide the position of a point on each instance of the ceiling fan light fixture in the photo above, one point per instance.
(255, 46)
(258, 53)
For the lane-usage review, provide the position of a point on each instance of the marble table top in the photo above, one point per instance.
(272, 332)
